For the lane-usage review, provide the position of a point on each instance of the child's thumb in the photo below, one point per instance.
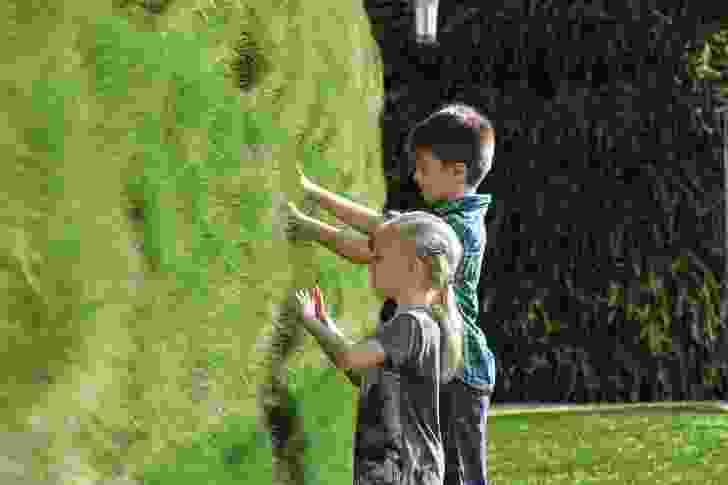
(319, 300)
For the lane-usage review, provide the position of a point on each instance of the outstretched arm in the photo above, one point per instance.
(344, 353)
(360, 217)
(347, 244)
(353, 375)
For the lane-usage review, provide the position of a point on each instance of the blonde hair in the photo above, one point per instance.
(438, 245)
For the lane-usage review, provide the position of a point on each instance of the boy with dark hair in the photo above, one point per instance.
(452, 150)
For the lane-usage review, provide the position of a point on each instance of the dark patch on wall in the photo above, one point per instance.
(249, 63)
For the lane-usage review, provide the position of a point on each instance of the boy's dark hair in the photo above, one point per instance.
(456, 133)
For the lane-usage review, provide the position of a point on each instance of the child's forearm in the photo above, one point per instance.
(360, 217)
(329, 338)
(333, 343)
(346, 244)
(351, 374)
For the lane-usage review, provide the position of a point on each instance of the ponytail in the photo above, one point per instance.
(447, 314)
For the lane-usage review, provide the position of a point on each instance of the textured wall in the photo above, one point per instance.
(146, 147)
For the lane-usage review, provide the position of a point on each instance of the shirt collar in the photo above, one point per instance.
(469, 202)
(409, 307)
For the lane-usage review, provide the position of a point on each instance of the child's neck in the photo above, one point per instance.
(416, 297)
(450, 196)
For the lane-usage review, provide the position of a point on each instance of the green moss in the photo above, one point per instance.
(315, 165)
(227, 122)
(159, 224)
(199, 102)
(118, 49)
(240, 452)
(127, 111)
(67, 244)
(48, 129)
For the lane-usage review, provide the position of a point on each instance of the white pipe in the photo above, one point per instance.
(426, 21)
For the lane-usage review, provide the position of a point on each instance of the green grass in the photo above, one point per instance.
(608, 449)
(653, 447)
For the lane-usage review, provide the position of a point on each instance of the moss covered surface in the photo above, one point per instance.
(142, 190)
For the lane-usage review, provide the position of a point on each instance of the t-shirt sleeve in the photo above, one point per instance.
(401, 339)
(390, 214)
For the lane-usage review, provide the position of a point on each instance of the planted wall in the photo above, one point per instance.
(148, 148)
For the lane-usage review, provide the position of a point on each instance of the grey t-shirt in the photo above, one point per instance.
(398, 438)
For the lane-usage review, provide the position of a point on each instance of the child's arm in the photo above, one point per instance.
(360, 217)
(344, 353)
(351, 246)
(351, 374)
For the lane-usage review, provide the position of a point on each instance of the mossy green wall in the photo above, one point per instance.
(109, 321)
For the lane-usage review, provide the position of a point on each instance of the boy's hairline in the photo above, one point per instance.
(449, 163)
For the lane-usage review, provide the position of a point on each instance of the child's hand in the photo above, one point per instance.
(311, 308)
(303, 181)
(296, 224)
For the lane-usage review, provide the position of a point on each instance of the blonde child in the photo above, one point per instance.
(452, 150)
(402, 367)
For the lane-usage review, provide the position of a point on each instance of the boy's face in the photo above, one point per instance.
(436, 180)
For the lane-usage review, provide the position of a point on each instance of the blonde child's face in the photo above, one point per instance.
(393, 265)
(436, 180)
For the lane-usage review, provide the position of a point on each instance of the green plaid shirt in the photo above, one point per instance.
(465, 216)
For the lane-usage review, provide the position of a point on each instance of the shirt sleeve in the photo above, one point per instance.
(401, 338)
(390, 214)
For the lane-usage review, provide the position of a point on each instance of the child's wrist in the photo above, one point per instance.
(311, 189)
(309, 229)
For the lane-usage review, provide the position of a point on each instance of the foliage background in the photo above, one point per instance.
(606, 238)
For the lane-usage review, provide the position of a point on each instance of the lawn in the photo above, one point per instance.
(657, 447)
(633, 446)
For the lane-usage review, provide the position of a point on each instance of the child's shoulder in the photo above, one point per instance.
(417, 318)
(471, 230)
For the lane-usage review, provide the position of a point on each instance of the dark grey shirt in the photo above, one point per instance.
(398, 439)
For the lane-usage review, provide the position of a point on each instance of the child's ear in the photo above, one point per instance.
(458, 170)
(461, 171)
(419, 268)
